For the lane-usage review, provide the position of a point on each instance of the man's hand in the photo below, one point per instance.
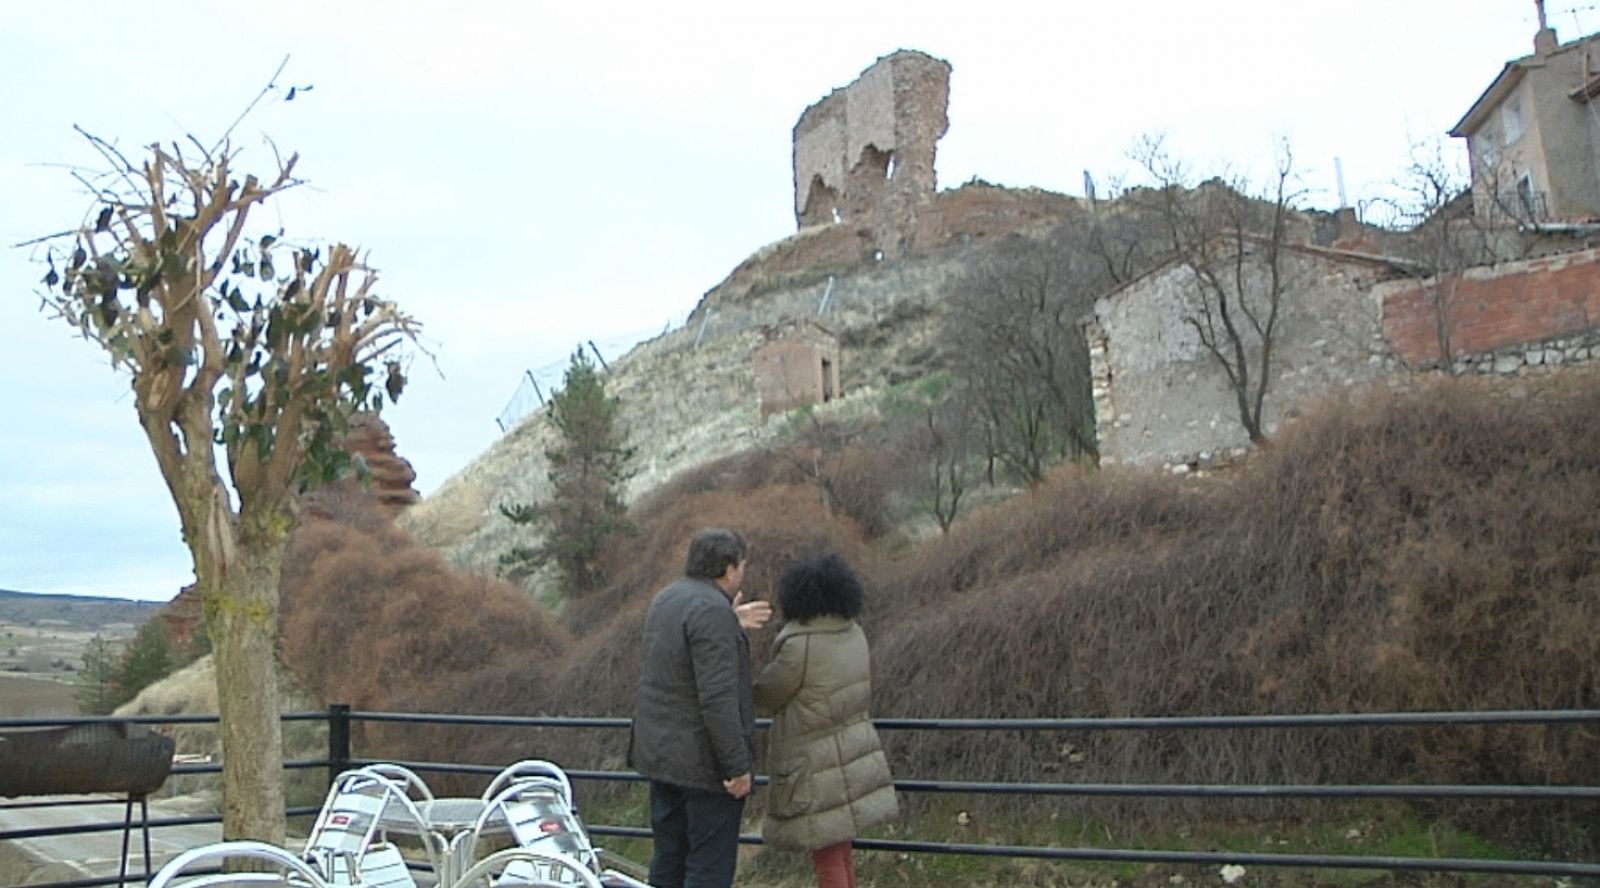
(739, 787)
(752, 614)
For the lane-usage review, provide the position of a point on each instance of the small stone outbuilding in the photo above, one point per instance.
(796, 365)
(1161, 398)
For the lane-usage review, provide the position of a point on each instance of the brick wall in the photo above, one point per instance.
(1491, 308)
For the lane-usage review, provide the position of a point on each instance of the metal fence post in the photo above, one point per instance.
(338, 740)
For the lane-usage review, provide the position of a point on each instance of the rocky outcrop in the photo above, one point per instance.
(391, 478)
(369, 439)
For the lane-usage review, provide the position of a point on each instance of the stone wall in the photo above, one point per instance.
(1162, 399)
(1494, 310)
(952, 223)
(865, 152)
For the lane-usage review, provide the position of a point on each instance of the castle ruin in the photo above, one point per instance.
(864, 153)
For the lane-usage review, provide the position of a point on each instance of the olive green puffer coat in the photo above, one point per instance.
(830, 778)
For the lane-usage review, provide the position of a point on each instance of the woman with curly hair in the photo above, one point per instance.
(830, 778)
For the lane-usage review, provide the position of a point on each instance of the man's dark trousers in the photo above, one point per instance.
(696, 835)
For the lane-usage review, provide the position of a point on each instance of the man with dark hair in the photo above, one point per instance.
(694, 718)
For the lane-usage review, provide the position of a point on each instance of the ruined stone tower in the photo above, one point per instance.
(864, 153)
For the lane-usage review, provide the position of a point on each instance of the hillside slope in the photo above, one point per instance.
(688, 396)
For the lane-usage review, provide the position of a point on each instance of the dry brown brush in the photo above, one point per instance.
(373, 619)
(1430, 551)
(1437, 550)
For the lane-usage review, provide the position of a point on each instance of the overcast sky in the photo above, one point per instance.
(528, 176)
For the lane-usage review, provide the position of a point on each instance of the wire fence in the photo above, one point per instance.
(539, 384)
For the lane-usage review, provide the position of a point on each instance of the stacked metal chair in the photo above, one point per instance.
(532, 800)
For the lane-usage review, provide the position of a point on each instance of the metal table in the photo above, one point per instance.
(449, 821)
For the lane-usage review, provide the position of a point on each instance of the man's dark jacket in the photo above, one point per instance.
(694, 719)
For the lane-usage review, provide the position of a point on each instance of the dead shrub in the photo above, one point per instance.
(1430, 551)
(374, 620)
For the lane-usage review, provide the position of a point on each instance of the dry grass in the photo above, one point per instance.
(35, 697)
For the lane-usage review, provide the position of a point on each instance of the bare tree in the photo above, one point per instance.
(1434, 202)
(1015, 346)
(813, 447)
(240, 343)
(1118, 236)
(946, 462)
(1232, 245)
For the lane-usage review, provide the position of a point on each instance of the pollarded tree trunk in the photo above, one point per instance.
(238, 560)
(243, 623)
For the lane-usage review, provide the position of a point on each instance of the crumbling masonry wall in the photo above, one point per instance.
(864, 153)
(1161, 399)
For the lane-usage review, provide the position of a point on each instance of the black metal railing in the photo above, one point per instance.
(341, 756)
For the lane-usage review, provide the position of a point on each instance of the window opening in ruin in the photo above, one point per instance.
(836, 216)
(822, 203)
(872, 159)
(888, 172)
(827, 380)
(878, 256)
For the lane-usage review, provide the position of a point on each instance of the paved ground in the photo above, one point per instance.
(64, 858)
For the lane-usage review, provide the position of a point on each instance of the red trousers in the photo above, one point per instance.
(835, 867)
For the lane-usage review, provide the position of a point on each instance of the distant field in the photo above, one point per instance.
(42, 645)
(48, 649)
(42, 642)
(28, 697)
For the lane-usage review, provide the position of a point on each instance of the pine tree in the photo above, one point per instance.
(98, 692)
(149, 659)
(589, 465)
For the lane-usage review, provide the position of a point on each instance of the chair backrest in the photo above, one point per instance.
(411, 784)
(536, 812)
(285, 863)
(380, 866)
(541, 819)
(530, 868)
(345, 844)
(529, 769)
